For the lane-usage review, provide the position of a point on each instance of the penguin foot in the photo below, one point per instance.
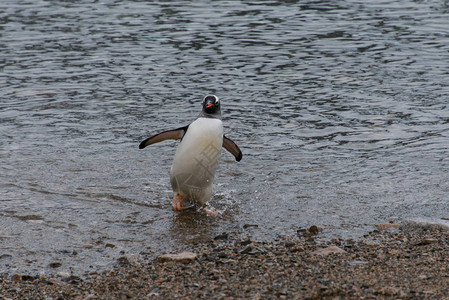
(178, 202)
(210, 211)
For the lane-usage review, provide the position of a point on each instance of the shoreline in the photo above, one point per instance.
(404, 261)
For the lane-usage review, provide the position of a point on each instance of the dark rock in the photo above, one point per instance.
(245, 242)
(246, 226)
(289, 244)
(297, 249)
(310, 232)
(301, 231)
(130, 259)
(22, 277)
(223, 236)
(55, 264)
(5, 256)
(73, 279)
(314, 229)
(427, 241)
(246, 250)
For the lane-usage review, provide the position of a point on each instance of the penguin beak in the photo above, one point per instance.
(208, 105)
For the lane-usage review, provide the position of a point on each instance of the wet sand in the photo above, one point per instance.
(410, 261)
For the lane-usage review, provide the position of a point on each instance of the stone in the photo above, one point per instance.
(22, 277)
(328, 250)
(297, 249)
(245, 242)
(386, 226)
(55, 264)
(314, 229)
(246, 226)
(184, 257)
(354, 263)
(223, 236)
(427, 241)
(245, 249)
(131, 259)
(5, 256)
(64, 275)
(309, 232)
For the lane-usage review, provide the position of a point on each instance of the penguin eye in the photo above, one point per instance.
(212, 99)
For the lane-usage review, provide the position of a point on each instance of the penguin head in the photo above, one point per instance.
(211, 104)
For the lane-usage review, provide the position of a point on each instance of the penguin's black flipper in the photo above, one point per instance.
(174, 134)
(232, 148)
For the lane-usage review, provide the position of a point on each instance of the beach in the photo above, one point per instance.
(406, 261)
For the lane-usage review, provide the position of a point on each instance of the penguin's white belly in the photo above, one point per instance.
(196, 159)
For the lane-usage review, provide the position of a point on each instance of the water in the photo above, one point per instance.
(340, 108)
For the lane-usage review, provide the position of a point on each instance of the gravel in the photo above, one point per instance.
(410, 261)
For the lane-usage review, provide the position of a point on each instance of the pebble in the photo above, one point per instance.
(5, 236)
(289, 244)
(328, 250)
(223, 236)
(245, 250)
(357, 263)
(22, 277)
(130, 259)
(63, 275)
(309, 232)
(245, 242)
(184, 257)
(427, 241)
(245, 226)
(35, 222)
(297, 249)
(386, 226)
(55, 264)
(314, 229)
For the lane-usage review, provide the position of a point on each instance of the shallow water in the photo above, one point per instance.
(340, 109)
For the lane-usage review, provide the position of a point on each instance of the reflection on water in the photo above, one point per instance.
(340, 108)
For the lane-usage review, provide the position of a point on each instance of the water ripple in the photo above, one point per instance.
(340, 108)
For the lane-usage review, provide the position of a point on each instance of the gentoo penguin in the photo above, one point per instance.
(196, 159)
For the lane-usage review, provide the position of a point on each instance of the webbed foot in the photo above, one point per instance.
(210, 211)
(178, 202)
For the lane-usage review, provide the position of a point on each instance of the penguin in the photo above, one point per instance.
(196, 159)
